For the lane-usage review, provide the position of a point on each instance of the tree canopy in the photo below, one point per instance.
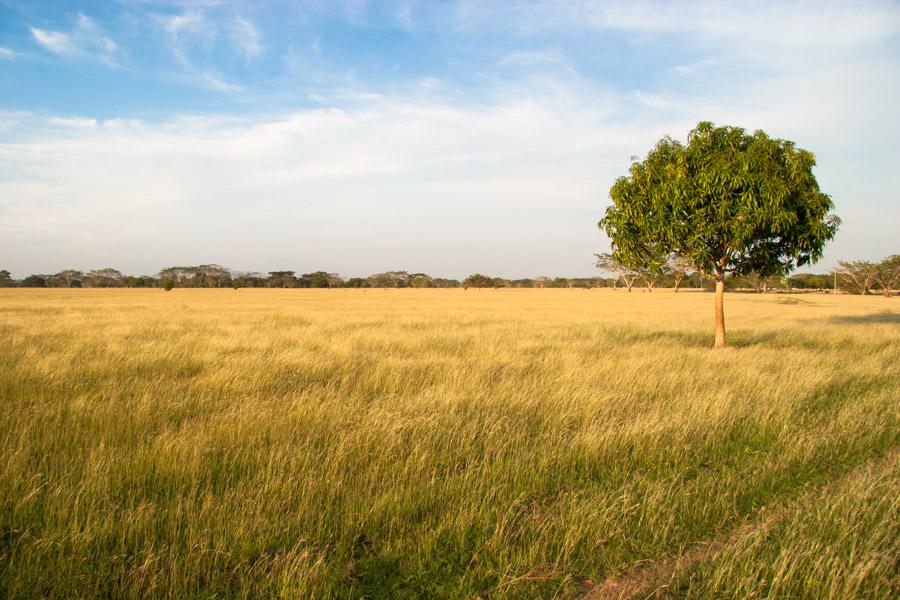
(726, 202)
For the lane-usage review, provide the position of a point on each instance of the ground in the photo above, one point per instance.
(447, 444)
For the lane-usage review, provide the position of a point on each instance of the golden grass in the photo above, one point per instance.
(433, 443)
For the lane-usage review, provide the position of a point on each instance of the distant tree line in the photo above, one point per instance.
(217, 276)
(857, 277)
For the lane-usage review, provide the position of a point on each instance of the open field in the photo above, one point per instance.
(447, 443)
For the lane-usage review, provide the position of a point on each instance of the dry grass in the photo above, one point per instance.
(441, 443)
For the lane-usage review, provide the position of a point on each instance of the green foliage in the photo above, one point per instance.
(478, 280)
(728, 201)
(356, 282)
(34, 281)
(168, 284)
(811, 281)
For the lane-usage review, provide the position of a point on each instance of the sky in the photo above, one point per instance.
(441, 137)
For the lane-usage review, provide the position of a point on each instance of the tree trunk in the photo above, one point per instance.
(720, 312)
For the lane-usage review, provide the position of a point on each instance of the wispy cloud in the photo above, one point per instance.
(212, 81)
(73, 122)
(86, 39)
(192, 37)
(190, 21)
(768, 22)
(55, 41)
(531, 58)
(8, 54)
(246, 38)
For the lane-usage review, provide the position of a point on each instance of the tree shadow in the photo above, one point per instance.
(882, 317)
(741, 338)
(789, 338)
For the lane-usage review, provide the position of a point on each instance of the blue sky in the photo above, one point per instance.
(444, 137)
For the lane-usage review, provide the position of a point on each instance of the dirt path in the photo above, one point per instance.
(646, 579)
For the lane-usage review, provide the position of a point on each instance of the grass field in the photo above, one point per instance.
(447, 443)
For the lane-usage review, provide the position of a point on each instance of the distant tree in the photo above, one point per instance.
(213, 276)
(390, 279)
(168, 283)
(131, 281)
(36, 281)
(608, 263)
(281, 279)
(727, 202)
(478, 280)
(857, 276)
(316, 279)
(759, 282)
(334, 280)
(68, 278)
(440, 282)
(810, 281)
(181, 276)
(357, 282)
(887, 274)
(6, 279)
(678, 268)
(107, 277)
(248, 279)
(651, 272)
(419, 280)
(542, 281)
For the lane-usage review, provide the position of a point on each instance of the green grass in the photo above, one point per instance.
(425, 443)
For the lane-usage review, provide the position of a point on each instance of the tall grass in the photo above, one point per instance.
(436, 443)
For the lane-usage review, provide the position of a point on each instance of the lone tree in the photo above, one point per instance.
(726, 202)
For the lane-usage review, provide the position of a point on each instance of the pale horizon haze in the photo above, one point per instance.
(447, 138)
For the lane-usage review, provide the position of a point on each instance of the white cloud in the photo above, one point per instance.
(511, 187)
(8, 54)
(73, 122)
(388, 183)
(246, 38)
(85, 40)
(55, 41)
(806, 23)
(213, 81)
(531, 58)
(192, 37)
(188, 21)
(767, 23)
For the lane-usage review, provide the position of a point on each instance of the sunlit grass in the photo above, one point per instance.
(435, 443)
